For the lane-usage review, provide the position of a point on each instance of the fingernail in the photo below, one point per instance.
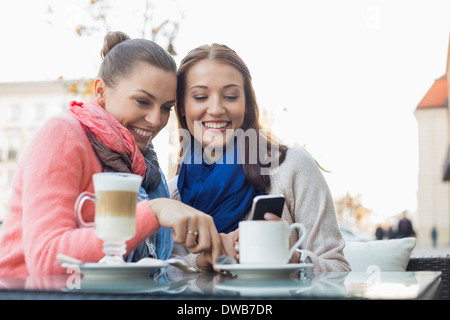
(268, 215)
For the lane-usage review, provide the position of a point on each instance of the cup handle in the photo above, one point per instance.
(79, 204)
(302, 236)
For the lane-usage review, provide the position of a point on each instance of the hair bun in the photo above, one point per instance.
(111, 40)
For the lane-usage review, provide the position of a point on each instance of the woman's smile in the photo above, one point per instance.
(216, 125)
(140, 133)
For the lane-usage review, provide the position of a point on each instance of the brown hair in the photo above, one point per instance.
(121, 54)
(228, 56)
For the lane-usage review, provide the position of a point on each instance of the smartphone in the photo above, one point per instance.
(266, 203)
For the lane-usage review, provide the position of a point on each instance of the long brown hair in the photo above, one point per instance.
(228, 56)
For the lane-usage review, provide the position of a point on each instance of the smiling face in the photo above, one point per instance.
(214, 101)
(141, 102)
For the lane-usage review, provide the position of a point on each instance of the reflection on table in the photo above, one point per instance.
(169, 283)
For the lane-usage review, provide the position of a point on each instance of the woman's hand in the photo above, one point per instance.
(191, 227)
(271, 217)
(229, 240)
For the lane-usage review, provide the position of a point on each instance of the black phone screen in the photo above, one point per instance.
(263, 204)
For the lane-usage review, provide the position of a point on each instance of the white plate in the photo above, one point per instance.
(128, 270)
(264, 271)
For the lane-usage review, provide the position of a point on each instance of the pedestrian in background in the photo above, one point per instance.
(434, 236)
(405, 228)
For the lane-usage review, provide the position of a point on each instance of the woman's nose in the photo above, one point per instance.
(215, 107)
(153, 117)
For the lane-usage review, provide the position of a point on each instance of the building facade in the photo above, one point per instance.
(24, 107)
(433, 194)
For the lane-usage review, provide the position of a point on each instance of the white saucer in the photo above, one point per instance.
(264, 287)
(128, 270)
(117, 285)
(265, 271)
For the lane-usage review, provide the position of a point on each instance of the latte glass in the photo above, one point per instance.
(115, 201)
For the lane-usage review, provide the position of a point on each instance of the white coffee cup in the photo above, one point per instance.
(267, 242)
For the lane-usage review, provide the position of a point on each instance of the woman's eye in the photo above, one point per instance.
(143, 102)
(200, 98)
(166, 108)
(231, 98)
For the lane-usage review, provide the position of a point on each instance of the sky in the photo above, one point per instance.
(341, 78)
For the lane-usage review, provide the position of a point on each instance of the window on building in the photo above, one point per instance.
(15, 145)
(16, 112)
(39, 112)
(12, 154)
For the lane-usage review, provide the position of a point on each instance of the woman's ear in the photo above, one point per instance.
(99, 91)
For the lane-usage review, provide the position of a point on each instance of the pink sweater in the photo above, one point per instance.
(57, 166)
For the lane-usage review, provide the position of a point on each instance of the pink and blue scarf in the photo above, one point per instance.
(116, 149)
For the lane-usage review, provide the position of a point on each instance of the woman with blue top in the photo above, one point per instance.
(228, 159)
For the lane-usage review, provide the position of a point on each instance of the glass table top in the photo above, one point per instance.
(168, 283)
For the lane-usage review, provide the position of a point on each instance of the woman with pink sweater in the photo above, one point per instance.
(134, 94)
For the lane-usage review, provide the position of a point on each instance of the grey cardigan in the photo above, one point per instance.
(308, 201)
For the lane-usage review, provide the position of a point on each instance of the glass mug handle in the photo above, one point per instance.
(302, 236)
(79, 204)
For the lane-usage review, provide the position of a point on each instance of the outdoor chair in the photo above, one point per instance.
(395, 255)
(434, 263)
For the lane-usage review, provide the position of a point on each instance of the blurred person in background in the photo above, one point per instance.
(405, 228)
